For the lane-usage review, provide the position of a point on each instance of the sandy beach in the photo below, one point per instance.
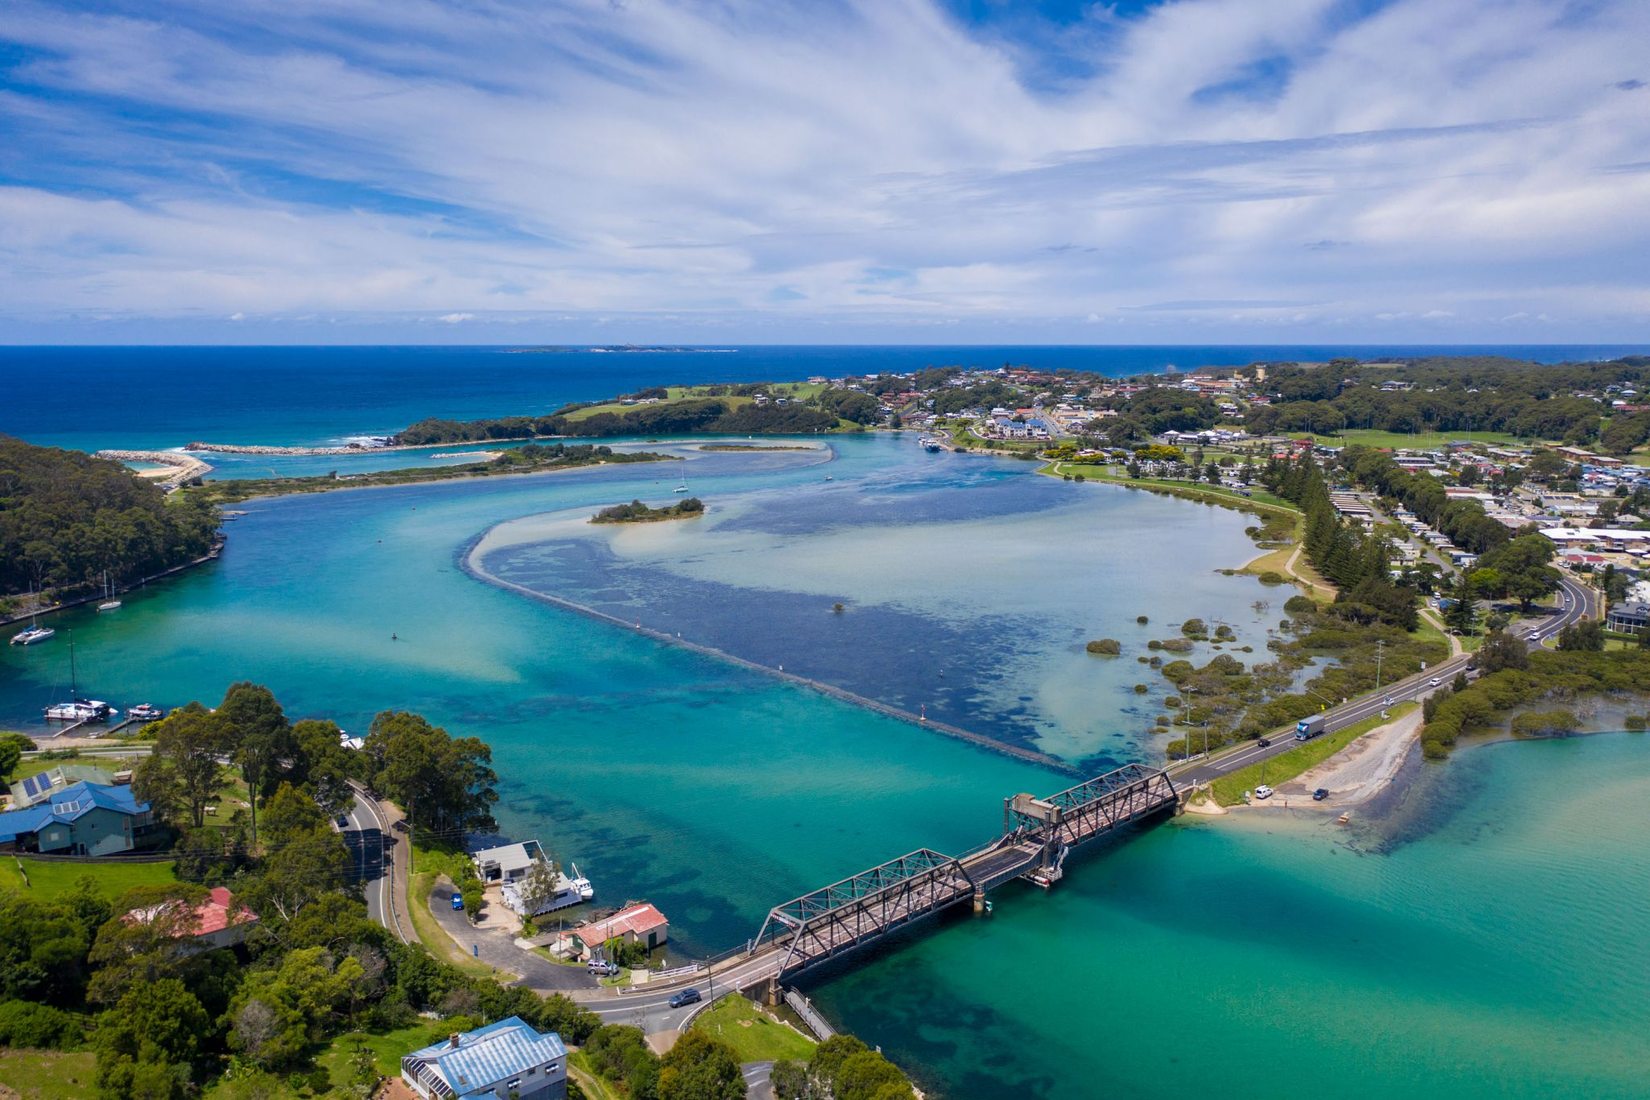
(1357, 774)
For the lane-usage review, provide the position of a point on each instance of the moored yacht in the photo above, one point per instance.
(31, 635)
(81, 710)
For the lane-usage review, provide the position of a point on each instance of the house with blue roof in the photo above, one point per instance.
(508, 1060)
(81, 819)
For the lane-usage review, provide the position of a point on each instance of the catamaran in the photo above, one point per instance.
(78, 709)
(31, 635)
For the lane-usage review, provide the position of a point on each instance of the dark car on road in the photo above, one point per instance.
(1264, 742)
(685, 997)
(343, 821)
(1320, 794)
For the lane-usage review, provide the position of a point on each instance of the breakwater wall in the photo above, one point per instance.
(468, 563)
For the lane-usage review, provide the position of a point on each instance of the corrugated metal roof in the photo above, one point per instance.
(70, 803)
(495, 1053)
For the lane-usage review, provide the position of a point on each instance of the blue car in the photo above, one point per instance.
(685, 997)
(458, 901)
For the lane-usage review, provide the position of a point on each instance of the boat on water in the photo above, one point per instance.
(109, 602)
(78, 709)
(931, 445)
(682, 488)
(31, 635)
(145, 712)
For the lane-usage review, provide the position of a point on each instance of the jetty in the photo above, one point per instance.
(180, 468)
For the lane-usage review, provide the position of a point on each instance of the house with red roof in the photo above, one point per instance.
(218, 921)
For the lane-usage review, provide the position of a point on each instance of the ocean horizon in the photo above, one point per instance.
(155, 397)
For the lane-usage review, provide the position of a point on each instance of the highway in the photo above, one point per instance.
(1575, 603)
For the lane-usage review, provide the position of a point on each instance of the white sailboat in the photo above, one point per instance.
(682, 488)
(109, 602)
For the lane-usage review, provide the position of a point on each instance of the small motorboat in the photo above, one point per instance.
(145, 712)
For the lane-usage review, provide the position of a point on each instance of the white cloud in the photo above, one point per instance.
(1440, 163)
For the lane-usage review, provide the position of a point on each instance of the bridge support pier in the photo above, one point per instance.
(772, 995)
(979, 900)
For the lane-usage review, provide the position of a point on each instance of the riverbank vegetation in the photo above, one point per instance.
(840, 1068)
(527, 459)
(637, 512)
(1554, 680)
(68, 519)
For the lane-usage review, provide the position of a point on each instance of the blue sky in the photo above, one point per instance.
(932, 171)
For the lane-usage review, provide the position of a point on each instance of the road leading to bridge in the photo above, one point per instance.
(1576, 602)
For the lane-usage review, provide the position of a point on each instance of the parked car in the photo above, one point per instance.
(1263, 791)
(1320, 794)
(458, 901)
(685, 997)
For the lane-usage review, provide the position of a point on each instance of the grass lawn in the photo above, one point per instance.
(594, 1087)
(49, 880)
(1228, 789)
(48, 1074)
(1257, 500)
(34, 765)
(1421, 441)
(386, 1048)
(616, 407)
(754, 1035)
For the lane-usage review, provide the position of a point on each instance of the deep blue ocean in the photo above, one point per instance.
(162, 397)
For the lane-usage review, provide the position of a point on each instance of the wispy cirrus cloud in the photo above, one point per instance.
(860, 169)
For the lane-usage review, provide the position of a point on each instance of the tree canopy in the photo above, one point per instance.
(66, 518)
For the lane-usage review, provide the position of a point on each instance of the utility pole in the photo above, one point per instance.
(1380, 645)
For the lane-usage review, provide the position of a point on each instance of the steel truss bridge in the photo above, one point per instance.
(1037, 835)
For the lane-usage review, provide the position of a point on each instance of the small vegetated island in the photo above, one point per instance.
(637, 512)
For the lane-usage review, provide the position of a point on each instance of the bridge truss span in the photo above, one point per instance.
(1092, 808)
(863, 907)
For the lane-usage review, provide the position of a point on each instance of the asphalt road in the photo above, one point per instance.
(367, 839)
(1575, 603)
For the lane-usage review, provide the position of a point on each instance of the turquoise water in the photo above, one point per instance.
(1496, 948)
(1503, 953)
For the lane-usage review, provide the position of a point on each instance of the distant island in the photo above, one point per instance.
(619, 348)
(637, 512)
